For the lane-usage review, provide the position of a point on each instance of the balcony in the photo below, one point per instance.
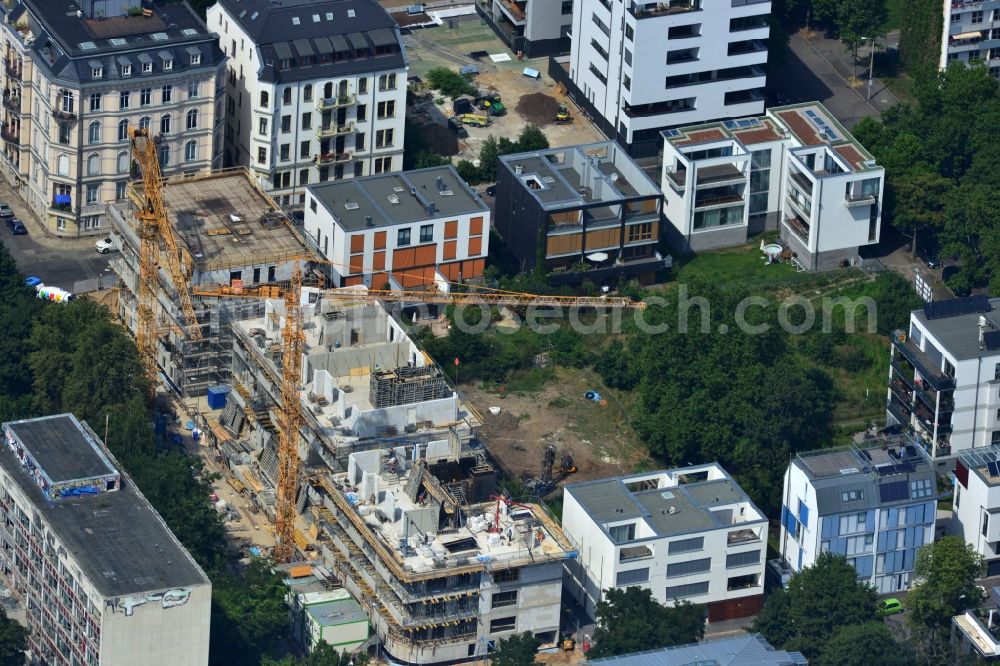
(741, 537)
(334, 130)
(12, 103)
(929, 396)
(337, 102)
(898, 412)
(11, 135)
(802, 207)
(901, 391)
(711, 202)
(13, 68)
(903, 369)
(799, 228)
(802, 181)
(677, 179)
(63, 116)
(923, 364)
(332, 158)
(721, 174)
(514, 11)
(665, 8)
(747, 46)
(859, 199)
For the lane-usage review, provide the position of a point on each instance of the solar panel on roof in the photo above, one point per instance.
(994, 468)
(893, 492)
(953, 307)
(729, 124)
(671, 133)
(991, 340)
(981, 303)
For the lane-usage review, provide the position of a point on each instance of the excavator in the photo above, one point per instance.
(563, 116)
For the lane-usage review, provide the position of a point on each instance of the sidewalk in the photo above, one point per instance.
(38, 232)
(834, 54)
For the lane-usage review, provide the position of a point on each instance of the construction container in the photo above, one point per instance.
(217, 396)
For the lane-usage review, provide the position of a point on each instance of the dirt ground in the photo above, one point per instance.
(598, 437)
(538, 108)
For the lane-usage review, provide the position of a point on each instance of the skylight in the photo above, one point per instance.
(315, 18)
(118, 41)
(159, 36)
(295, 20)
(189, 32)
(350, 13)
(329, 16)
(88, 46)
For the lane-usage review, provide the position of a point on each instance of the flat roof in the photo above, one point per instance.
(218, 217)
(669, 501)
(746, 650)
(959, 334)
(982, 461)
(119, 541)
(391, 199)
(62, 448)
(337, 612)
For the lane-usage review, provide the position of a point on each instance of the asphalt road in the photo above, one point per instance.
(59, 267)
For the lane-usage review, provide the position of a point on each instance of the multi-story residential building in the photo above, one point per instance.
(795, 169)
(685, 534)
(101, 578)
(77, 75)
(976, 500)
(533, 28)
(317, 91)
(745, 650)
(580, 212)
(231, 234)
(944, 376)
(971, 33)
(641, 66)
(875, 506)
(411, 229)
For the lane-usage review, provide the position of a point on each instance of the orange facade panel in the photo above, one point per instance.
(450, 249)
(357, 243)
(403, 258)
(354, 281)
(475, 246)
(564, 244)
(415, 277)
(451, 229)
(473, 268)
(600, 239)
(378, 261)
(425, 255)
(357, 263)
(451, 270)
(379, 240)
(476, 226)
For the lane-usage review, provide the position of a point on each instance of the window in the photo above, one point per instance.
(362, 86)
(505, 575)
(307, 93)
(502, 599)
(627, 82)
(427, 233)
(686, 545)
(264, 99)
(632, 577)
(567, 7)
(193, 89)
(305, 149)
(66, 100)
(126, 70)
(94, 165)
(120, 188)
(262, 155)
(386, 109)
(284, 151)
(639, 232)
(503, 624)
(145, 96)
(93, 193)
(852, 495)
(144, 122)
(262, 127)
(192, 119)
(97, 72)
(307, 120)
(168, 65)
(303, 176)
(147, 67)
(123, 130)
(977, 17)
(190, 151)
(742, 559)
(362, 113)
(383, 164)
(921, 488)
(95, 101)
(164, 155)
(165, 124)
(402, 237)
(122, 163)
(689, 590)
(195, 59)
(622, 533)
(629, 33)
(286, 95)
(359, 141)
(383, 138)
(600, 24)
(124, 99)
(167, 92)
(94, 132)
(741, 582)
(286, 124)
(598, 73)
(387, 82)
(687, 568)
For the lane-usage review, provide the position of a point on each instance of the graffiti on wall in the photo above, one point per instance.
(167, 599)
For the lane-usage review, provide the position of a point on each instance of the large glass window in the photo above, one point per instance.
(719, 217)
(632, 577)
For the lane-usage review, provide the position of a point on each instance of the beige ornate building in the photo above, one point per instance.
(76, 75)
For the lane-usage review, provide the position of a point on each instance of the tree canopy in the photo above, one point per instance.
(863, 645)
(516, 650)
(630, 620)
(820, 601)
(946, 573)
(13, 641)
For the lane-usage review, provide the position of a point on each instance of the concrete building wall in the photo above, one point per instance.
(971, 32)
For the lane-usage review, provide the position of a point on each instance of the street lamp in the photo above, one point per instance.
(871, 67)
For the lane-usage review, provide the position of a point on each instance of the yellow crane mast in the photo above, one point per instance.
(154, 228)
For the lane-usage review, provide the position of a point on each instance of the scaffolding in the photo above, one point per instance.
(406, 385)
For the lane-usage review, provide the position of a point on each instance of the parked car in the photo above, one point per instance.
(930, 259)
(6, 211)
(16, 226)
(106, 245)
(890, 606)
(491, 190)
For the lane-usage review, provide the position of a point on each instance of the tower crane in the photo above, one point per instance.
(154, 228)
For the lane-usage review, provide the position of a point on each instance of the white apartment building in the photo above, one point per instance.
(643, 65)
(99, 575)
(975, 500)
(944, 376)
(77, 75)
(411, 229)
(531, 27)
(876, 506)
(317, 91)
(795, 169)
(689, 533)
(971, 33)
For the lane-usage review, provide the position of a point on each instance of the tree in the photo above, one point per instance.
(531, 138)
(13, 641)
(863, 645)
(820, 600)
(488, 155)
(945, 573)
(859, 20)
(449, 82)
(920, 37)
(918, 202)
(517, 650)
(630, 620)
(249, 613)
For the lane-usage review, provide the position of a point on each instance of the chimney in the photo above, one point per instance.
(413, 191)
(440, 183)
(369, 222)
(432, 208)
(983, 324)
(518, 169)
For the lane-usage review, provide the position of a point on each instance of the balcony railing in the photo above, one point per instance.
(664, 8)
(923, 364)
(901, 391)
(677, 178)
(800, 179)
(859, 199)
(719, 174)
(13, 69)
(798, 228)
(334, 130)
(718, 201)
(898, 412)
(13, 103)
(63, 116)
(332, 158)
(337, 102)
(11, 135)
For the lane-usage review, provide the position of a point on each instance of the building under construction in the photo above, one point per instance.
(229, 232)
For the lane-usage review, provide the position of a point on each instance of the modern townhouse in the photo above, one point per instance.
(533, 28)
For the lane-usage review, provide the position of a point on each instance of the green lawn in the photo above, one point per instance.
(894, 12)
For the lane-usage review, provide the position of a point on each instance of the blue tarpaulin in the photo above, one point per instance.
(62, 199)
